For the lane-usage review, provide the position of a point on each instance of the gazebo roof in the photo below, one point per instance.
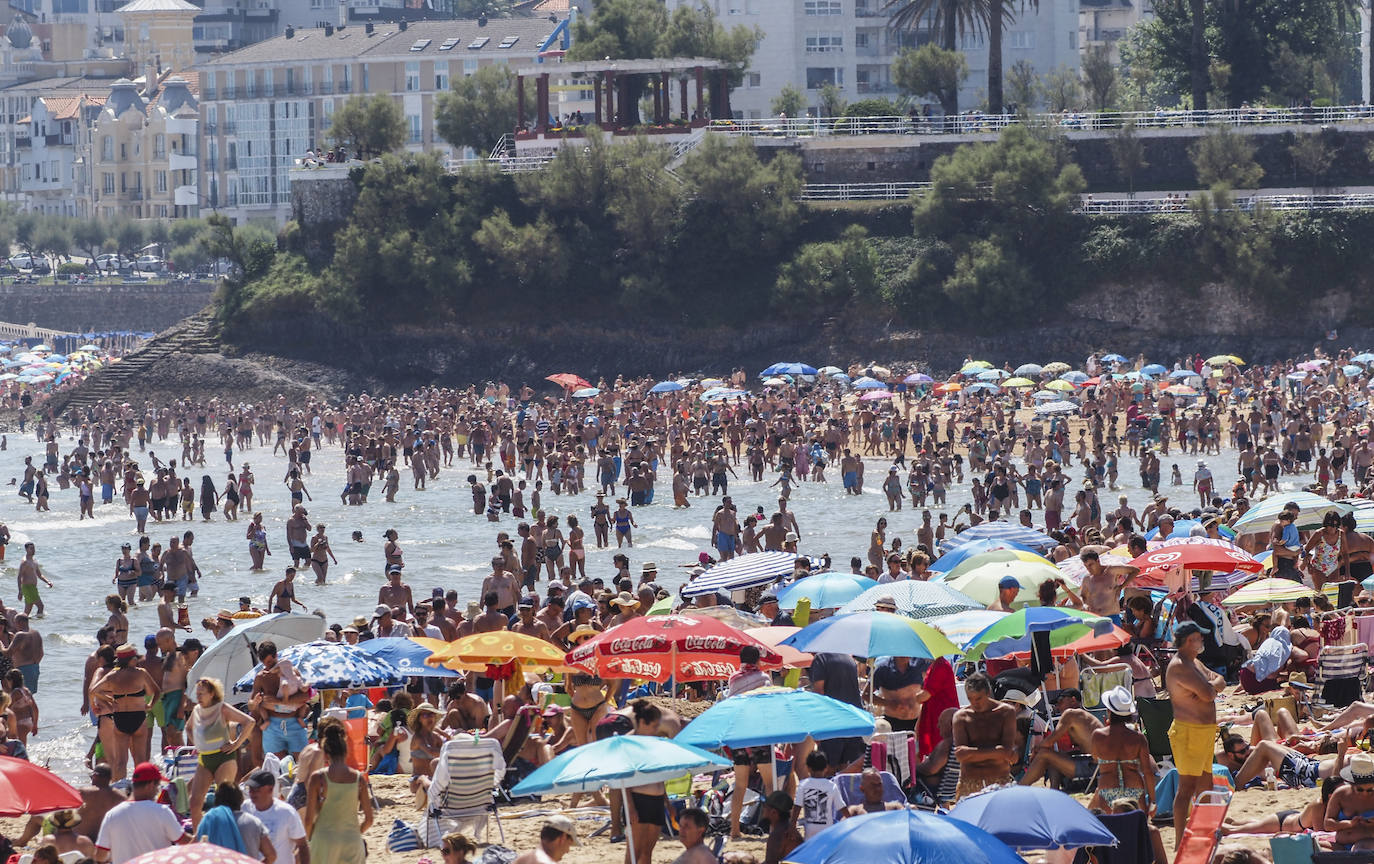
(625, 67)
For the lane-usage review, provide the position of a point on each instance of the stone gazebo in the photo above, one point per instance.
(618, 86)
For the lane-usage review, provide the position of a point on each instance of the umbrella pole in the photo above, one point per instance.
(629, 823)
(674, 670)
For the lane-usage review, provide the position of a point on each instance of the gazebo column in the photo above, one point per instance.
(520, 103)
(701, 105)
(596, 95)
(541, 98)
(682, 98)
(610, 99)
(667, 89)
(658, 102)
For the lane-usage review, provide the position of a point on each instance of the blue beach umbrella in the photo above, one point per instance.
(1034, 817)
(866, 383)
(1180, 374)
(872, 634)
(788, 369)
(1001, 531)
(666, 387)
(993, 375)
(1029, 370)
(962, 551)
(774, 715)
(1113, 358)
(918, 378)
(406, 655)
(1365, 358)
(1154, 369)
(824, 590)
(333, 666)
(983, 387)
(903, 837)
(914, 599)
(1352, 370)
(1074, 377)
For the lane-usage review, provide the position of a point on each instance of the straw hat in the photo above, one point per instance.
(422, 708)
(581, 633)
(625, 598)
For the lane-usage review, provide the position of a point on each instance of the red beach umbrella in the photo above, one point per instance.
(657, 647)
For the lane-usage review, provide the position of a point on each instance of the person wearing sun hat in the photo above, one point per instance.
(1008, 587)
(1122, 754)
(556, 838)
(1354, 802)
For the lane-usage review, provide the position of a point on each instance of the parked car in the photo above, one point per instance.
(41, 267)
(110, 261)
(149, 264)
(22, 261)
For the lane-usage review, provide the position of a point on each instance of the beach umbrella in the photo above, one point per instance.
(1351, 370)
(872, 634)
(332, 666)
(973, 367)
(719, 394)
(829, 370)
(961, 627)
(27, 788)
(1055, 368)
(741, 572)
(499, 647)
(8, 376)
(1266, 591)
(903, 837)
(1016, 383)
(619, 762)
(1155, 564)
(683, 647)
(788, 369)
(1059, 384)
(963, 551)
(1000, 530)
(41, 347)
(774, 382)
(1312, 508)
(408, 655)
(774, 715)
(1058, 407)
(1074, 570)
(771, 636)
(983, 387)
(1180, 390)
(708, 383)
(569, 381)
(1296, 376)
(1113, 358)
(586, 392)
(1180, 374)
(666, 387)
(90, 347)
(993, 374)
(913, 598)
(193, 853)
(980, 582)
(1034, 817)
(1154, 369)
(1364, 359)
(1074, 377)
(233, 654)
(824, 590)
(1223, 359)
(1313, 365)
(728, 615)
(949, 387)
(840, 378)
(991, 556)
(1051, 395)
(1030, 370)
(875, 395)
(917, 378)
(867, 383)
(1013, 633)
(1363, 511)
(878, 371)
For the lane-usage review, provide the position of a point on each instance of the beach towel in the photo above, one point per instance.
(940, 685)
(220, 827)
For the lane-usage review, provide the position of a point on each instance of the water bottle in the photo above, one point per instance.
(1271, 781)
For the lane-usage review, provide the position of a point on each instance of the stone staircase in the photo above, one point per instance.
(197, 334)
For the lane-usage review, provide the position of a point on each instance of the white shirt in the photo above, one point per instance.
(283, 826)
(136, 827)
(820, 800)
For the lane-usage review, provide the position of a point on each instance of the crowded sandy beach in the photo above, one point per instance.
(778, 615)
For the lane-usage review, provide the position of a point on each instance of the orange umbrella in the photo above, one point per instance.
(1087, 644)
(771, 636)
(569, 381)
(497, 648)
(949, 387)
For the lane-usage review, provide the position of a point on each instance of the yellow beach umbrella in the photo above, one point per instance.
(1018, 382)
(1059, 385)
(496, 648)
(1058, 367)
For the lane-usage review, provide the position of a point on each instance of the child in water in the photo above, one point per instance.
(1176, 476)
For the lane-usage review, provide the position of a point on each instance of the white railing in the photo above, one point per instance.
(861, 191)
(971, 123)
(1089, 205)
(503, 146)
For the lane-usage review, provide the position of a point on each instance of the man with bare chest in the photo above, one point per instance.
(984, 738)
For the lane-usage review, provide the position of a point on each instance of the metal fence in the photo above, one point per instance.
(974, 122)
(860, 191)
(1170, 203)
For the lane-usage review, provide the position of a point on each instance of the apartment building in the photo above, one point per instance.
(848, 43)
(1106, 22)
(143, 153)
(265, 105)
(52, 176)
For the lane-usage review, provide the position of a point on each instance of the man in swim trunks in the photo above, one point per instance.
(984, 738)
(1193, 689)
(26, 651)
(166, 711)
(29, 574)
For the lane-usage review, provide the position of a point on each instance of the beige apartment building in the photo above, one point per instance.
(143, 153)
(263, 106)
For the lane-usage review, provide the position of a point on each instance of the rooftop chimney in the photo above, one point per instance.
(329, 29)
(369, 28)
(290, 31)
(404, 25)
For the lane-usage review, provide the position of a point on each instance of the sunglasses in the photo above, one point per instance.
(1241, 752)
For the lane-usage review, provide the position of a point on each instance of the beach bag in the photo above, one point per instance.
(402, 838)
(498, 855)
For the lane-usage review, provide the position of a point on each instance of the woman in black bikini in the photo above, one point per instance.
(284, 593)
(123, 695)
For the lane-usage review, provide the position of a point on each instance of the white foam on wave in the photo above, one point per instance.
(669, 543)
(83, 640)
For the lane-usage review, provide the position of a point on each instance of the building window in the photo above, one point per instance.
(365, 79)
(753, 80)
(1073, 39)
(412, 76)
(822, 43)
(971, 42)
(469, 67)
(819, 76)
(823, 7)
(1021, 40)
(346, 86)
(107, 148)
(107, 183)
(160, 146)
(161, 181)
(860, 40)
(440, 75)
(413, 120)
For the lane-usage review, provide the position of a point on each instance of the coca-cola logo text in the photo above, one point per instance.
(640, 668)
(707, 643)
(634, 644)
(705, 669)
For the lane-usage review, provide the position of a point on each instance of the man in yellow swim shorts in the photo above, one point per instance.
(1193, 689)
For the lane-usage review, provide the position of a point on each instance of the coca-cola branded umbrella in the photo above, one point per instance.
(659, 647)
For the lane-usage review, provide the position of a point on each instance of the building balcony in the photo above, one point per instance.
(185, 196)
(326, 87)
(183, 126)
(182, 162)
(23, 143)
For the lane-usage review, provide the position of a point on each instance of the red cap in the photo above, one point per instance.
(147, 772)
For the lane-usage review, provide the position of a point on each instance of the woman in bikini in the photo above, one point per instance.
(426, 743)
(577, 552)
(553, 548)
(1122, 754)
(588, 695)
(118, 623)
(231, 499)
(123, 695)
(320, 554)
(257, 542)
(1309, 818)
(217, 747)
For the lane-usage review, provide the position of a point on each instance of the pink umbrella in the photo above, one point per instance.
(875, 394)
(193, 853)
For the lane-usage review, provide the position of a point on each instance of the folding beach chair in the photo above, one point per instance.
(1203, 831)
(463, 789)
(850, 794)
(1342, 671)
(1156, 715)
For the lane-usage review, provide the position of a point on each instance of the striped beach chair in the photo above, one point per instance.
(463, 789)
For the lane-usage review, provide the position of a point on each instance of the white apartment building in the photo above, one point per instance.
(1106, 23)
(848, 43)
(58, 131)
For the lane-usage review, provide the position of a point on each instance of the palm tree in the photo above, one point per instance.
(1199, 67)
(999, 15)
(948, 18)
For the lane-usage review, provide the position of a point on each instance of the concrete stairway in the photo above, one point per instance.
(195, 335)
